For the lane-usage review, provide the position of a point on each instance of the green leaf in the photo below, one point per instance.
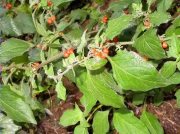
(103, 91)
(164, 5)
(7, 125)
(116, 26)
(25, 25)
(78, 14)
(149, 45)
(174, 47)
(87, 100)
(138, 98)
(178, 97)
(83, 43)
(168, 69)
(61, 90)
(15, 107)
(80, 130)
(151, 123)
(13, 48)
(71, 117)
(125, 121)
(100, 122)
(175, 78)
(133, 73)
(95, 63)
(158, 18)
(59, 2)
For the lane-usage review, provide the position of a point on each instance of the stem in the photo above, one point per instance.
(90, 116)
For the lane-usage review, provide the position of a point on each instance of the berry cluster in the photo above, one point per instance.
(68, 52)
(51, 20)
(49, 3)
(8, 6)
(105, 19)
(101, 54)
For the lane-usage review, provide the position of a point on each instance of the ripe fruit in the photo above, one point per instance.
(126, 11)
(8, 6)
(105, 19)
(147, 23)
(164, 45)
(35, 65)
(70, 51)
(49, 21)
(53, 18)
(49, 3)
(105, 50)
(66, 54)
(115, 39)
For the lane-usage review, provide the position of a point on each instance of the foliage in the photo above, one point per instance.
(111, 56)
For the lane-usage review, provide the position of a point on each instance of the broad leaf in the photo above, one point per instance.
(158, 18)
(175, 78)
(178, 97)
(116, 26)
(59, 2)
(168, 69)
(87, 100)
(100, 122)
(61, 90)
(138, 98)
(13, 48)
(149, 45)
(80, 130)
(95, 63)
(103, 91)
(71, 116)
(164, 5)
(15, 107)
(133, 73)
(174, 47)
(151, 123)
(7, 125)
(125, 121)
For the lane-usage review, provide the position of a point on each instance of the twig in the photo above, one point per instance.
(90, 116)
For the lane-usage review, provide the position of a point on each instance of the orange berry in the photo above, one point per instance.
(147, 23)
(8, 6)
(105, 19)
(53, 18)
(49, 21)
(105, 50)
(164, 45)
(49, 3)
(126, 11)
(70, 51)
(66, 54)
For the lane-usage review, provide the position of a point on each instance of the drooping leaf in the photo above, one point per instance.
(151, 123)
(178, 97)
(116, 26)
(61, 90)
(149, 45)
(100, 122)
(168, 69)
(71, 116)
(59, 2)
(133, 73)
(125, 121)
(103, 91)
(87, 100)
(15, 107)
(13, 48)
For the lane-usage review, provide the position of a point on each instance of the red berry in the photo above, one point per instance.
(164, 45)
(66, 54)
(115, 39)
(70, 51)
(8, 6)
(105, 50)
(105, 19)
(49, 21)
(49, 3)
